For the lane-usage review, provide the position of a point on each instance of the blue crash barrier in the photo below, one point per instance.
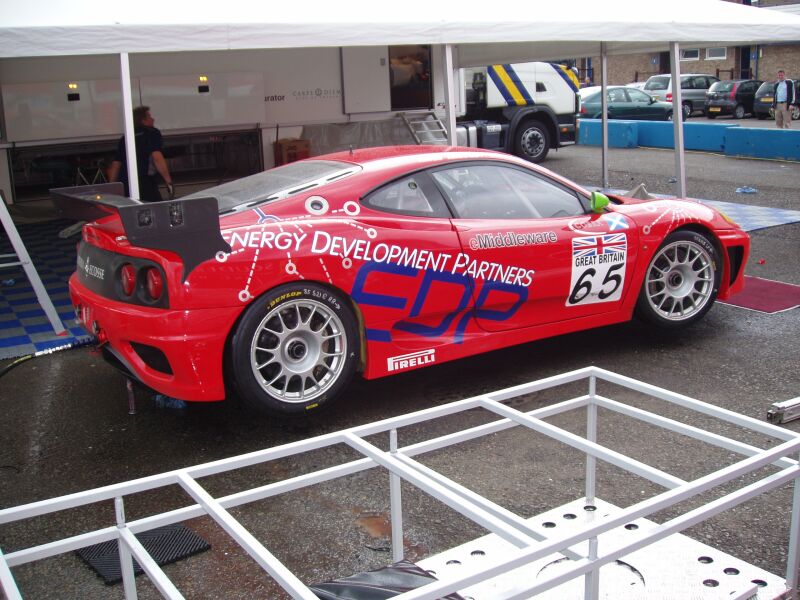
(764, 143)
(621, 134)
(732, 139)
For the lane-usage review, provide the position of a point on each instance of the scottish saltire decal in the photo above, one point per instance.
(598, 268)
(510, 86)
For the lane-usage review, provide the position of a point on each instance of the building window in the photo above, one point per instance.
(693, 54)
(716, 53)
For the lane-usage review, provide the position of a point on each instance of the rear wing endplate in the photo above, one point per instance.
(188, 227)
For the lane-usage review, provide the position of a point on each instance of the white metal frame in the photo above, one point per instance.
(530, 542)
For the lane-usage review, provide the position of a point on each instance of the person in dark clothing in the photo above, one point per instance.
(150, 161)
(784, 99)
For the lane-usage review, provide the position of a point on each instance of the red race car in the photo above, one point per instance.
(284, 284)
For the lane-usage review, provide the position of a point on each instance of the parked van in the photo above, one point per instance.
(693, 90)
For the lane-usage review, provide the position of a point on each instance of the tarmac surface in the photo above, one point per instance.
(66, 428)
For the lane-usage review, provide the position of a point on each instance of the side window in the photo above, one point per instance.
(638, 97)
(686, 83)
(540, 87)
(405, 196)
(617, 95)
(499, 192)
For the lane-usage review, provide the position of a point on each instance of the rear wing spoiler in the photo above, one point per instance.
(188, 227)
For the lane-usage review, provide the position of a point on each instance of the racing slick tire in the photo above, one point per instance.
(532, 141)
(294, 349)
(681, 281)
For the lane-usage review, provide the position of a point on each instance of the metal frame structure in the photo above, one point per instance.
(527, 542)
(24, 259)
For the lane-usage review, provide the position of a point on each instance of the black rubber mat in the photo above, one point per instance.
(165, 544)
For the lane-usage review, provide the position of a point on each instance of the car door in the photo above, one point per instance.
(642, 106)
(748, 94)
(405, 289)
(619, 107)
(533, 253)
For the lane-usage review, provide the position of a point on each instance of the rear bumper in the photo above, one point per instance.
(178, 353)
(720, 107)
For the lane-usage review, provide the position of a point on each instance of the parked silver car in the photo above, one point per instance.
(693, 90)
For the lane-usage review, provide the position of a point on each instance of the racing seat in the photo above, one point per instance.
(380, 584)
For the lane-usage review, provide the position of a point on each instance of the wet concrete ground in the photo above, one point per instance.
(66, 428)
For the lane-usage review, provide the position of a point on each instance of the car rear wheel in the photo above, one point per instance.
(669, 116)
(687, 110)
(532, 141)
(711, 115)
(681, 281)
(295, 349)
(738, 112)
(796, 113)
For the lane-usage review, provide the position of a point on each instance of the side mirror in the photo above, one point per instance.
(598, 202)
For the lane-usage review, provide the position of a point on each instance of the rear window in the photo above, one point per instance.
(721, 86)
(766, 89)
(276, 184)
(657, 83)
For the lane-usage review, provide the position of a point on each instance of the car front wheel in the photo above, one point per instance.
(681, 281)
(687, 110)
(295, 349)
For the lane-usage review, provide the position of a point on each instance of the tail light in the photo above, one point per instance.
(127, 276)
(669, 97)
(583, 110)
(155, 283)
(733, 91)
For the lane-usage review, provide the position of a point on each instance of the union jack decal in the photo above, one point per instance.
(593, 245)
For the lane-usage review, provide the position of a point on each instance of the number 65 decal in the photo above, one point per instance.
(601, 284)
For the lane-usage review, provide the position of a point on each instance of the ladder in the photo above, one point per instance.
(425, 127)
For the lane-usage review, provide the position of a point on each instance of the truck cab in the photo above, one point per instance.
(524, 108)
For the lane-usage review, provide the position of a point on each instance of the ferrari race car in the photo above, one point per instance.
(282, 285)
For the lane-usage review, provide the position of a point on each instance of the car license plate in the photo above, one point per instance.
(766, 100)
(714, 109)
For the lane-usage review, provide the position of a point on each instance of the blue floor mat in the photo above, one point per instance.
(748, 217)
(24, 327)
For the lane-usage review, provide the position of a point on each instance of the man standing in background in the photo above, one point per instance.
(150, 159)
(783, 101)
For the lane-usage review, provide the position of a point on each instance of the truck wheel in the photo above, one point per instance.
(532, 141)
(295, 349)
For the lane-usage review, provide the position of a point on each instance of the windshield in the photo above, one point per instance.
(275, 184)
(657, 83)
(721, 86)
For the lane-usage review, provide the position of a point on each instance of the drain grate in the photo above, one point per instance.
(165, 544)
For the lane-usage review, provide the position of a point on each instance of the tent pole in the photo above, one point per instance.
(127, 119)
(677, 121)
(449, 94)
(604, 110)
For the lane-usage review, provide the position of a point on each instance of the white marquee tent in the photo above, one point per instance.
(469, 32)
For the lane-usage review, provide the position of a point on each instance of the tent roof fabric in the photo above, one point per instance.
(522, 28)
